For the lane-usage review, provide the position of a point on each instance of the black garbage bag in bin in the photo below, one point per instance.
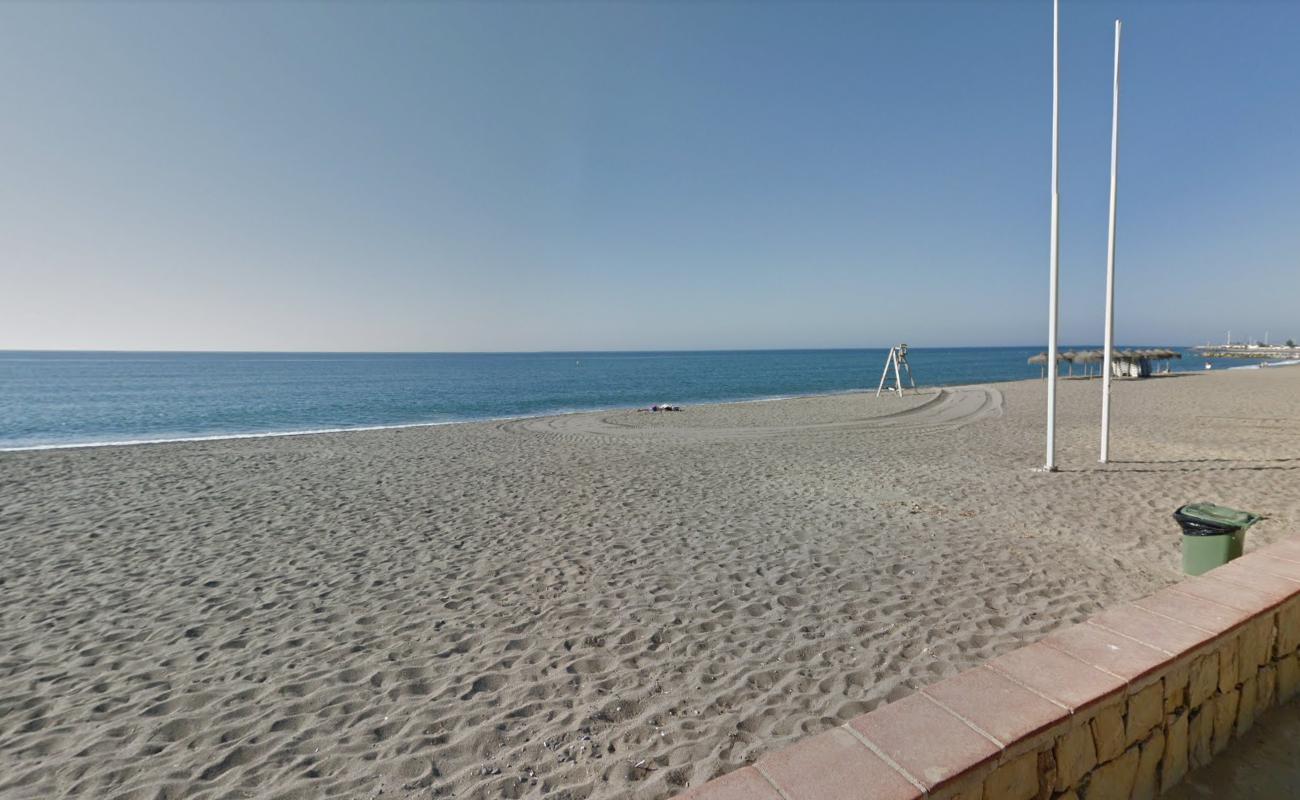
(1213, 535)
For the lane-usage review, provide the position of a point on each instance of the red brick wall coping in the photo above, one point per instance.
(1119, 706)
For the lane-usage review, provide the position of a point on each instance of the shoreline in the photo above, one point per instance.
(219, 437)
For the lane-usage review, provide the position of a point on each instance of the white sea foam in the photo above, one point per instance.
(260, 435)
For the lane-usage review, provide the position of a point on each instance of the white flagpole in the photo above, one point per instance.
(1110, 257)
(1053, 299)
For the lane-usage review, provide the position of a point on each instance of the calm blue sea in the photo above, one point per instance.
(68, 398)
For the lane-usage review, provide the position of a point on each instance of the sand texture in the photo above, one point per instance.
(598, 605)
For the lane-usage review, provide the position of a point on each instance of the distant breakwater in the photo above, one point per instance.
(1249, 352)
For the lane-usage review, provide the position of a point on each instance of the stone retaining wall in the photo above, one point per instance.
(1119, 707)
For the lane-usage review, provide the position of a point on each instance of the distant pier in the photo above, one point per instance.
(1247, 351)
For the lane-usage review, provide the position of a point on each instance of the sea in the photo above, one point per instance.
(64, 399)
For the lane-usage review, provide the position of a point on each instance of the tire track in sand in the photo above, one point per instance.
(949, 408)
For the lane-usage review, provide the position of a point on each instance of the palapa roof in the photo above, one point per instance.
(1093, 356)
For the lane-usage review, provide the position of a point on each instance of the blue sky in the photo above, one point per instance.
(665, 175)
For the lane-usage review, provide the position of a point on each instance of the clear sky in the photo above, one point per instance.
(411, 176)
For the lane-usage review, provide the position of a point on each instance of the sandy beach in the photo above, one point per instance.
(603, 605)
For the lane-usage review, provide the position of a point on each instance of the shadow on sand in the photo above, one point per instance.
(1194, 465)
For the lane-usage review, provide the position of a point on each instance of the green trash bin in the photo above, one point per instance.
(1212, 535)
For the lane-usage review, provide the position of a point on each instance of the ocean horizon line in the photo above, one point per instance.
(1063, 347)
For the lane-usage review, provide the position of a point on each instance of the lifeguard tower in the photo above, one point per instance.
(897, 361)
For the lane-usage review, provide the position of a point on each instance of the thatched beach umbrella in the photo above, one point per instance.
(1041, 359)
(1120, 360)
(1135, 363)
(1166, 355)
(1089, 357)
(1142, 354)
(1069, 356)
(1162, 354)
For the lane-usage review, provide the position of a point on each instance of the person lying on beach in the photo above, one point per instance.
(658, 407)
